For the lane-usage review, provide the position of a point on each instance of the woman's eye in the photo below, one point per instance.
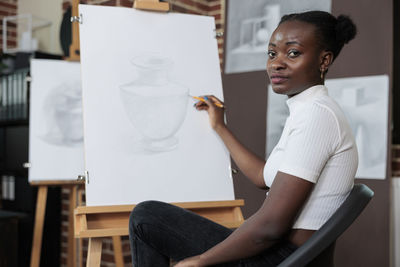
(271, 54)
(293, 53)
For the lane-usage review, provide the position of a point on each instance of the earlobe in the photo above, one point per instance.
(326, 59)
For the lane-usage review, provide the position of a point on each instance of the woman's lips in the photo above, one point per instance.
(278, 79)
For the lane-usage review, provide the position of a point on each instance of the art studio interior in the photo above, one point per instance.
(103, 105)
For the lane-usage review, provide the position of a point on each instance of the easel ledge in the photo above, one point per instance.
(108, 221)
(57, 182)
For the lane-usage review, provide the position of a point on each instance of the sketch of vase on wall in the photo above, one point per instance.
(155, 105)
(62, 112)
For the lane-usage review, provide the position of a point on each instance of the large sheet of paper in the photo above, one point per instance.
(143, 138)
(55, 128)
(365, 102)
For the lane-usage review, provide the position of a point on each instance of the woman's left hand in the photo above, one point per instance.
(190, 262)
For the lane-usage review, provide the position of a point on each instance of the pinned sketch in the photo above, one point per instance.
(155, 105)
(277, 113)
(143, 137)
(56, 126)
(250, 25)
(364, 101)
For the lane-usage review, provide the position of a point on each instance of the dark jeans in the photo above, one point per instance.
(159, 232)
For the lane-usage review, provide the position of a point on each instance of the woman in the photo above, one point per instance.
(309, 173)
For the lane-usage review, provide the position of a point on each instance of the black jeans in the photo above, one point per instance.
(159, 232)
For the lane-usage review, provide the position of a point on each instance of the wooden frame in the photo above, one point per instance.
(97, 222)
(154, 5)
(74, 48)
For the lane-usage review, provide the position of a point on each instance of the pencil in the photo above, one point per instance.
(202, 99)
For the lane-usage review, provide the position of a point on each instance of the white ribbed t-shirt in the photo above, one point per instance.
(316, 145)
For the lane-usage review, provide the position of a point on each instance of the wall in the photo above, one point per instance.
(8, 8)
(49, 40)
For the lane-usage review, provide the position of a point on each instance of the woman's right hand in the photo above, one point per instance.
(215, 113)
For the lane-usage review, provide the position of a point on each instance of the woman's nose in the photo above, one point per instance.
(277, 63)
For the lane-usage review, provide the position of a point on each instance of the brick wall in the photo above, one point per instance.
(396, 160)
(8, 8)
(214, 8)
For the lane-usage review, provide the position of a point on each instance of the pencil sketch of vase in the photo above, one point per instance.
(155, 105)
(62, 110)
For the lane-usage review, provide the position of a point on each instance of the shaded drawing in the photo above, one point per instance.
(365, 103)
(255, 32)
(62, 112)
(155, 105)
(250, 25)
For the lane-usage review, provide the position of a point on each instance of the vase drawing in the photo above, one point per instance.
(155, 105)
(62, 110)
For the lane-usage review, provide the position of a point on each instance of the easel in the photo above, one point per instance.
(98, 222)
(74, 186)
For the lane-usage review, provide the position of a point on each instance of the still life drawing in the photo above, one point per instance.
(62, 112)
(155, 105)
(364, 101)
(251, 23)
(142, 137)
(55, 120)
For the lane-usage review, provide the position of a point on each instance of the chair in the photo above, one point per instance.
(326, 236)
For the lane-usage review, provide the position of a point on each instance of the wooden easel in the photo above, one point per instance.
(41, 200)
(74, 50)
(98, 222)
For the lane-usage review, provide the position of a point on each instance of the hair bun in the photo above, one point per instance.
(345, 29)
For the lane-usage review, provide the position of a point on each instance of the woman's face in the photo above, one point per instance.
(294, 58)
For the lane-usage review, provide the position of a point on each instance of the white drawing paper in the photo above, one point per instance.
(365, 102)
(56, 128)
(251, 23)
(143, 137)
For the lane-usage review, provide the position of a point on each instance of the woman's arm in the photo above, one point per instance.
(249, 163)
(268, 225)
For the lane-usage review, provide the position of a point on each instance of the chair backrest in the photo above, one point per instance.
(358, 198)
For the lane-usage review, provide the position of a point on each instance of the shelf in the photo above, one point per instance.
(10, 123)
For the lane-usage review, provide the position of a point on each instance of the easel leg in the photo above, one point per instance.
(39, 222)
(80, 240)
(118, 257)
(94, 252)
(71, 258)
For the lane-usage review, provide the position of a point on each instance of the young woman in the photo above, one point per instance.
(308, 175)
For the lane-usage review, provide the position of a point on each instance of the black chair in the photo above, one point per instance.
(324, 239)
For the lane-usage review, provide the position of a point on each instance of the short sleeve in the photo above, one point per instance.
(312, 140)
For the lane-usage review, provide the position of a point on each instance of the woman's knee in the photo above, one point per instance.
(144, 212)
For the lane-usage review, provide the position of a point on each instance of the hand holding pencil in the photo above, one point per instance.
(216, 102)
(214, 107)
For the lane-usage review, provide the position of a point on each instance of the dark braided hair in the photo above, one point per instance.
(332, 32)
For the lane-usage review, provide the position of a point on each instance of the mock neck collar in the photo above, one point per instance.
(308, 94)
